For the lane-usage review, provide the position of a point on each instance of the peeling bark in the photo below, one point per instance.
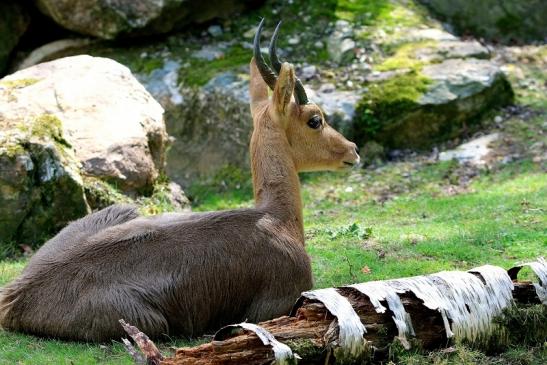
(357, 323)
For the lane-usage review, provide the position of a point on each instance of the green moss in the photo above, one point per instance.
(305, 348)
(100, 194)
(380, 13)
(388, 100)
(19, 83)
(149, 65)
(200, 71)
(365, 11)
(49, 126)
(524, 325)
(404, 57)
(159, 202)
(11, 148)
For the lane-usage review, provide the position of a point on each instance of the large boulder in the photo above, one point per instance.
(111, 19)
(500, 20)
(13, 23)
(114, 125)
(434, 87)
(70, 129)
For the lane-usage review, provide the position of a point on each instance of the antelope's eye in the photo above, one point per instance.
(314, 122)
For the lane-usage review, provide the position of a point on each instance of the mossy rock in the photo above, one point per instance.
(40, 182)
(107, 20)
(431, 103)
(55, 131)
(496, 20)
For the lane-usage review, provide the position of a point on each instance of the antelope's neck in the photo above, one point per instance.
(275, 179)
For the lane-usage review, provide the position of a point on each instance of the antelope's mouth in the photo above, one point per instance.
(349, 164)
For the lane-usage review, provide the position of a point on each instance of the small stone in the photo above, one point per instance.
(349, 189)
(348, 44)
(215, 30)
(327, 88)
(294, 40)
(309, 72)
(318, 45)
(473, 152)
(498, 119)
(208, 53)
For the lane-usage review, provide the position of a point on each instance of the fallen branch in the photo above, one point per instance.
(148, 348)
(356, 323)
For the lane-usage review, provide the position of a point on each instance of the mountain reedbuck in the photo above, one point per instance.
(186, 274)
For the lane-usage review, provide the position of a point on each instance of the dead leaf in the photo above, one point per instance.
(366, 270)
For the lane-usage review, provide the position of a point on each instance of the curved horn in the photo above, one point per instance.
(276, 64)
(299, 93)
(266, 72)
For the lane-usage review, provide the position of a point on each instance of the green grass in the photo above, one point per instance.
(23, 349)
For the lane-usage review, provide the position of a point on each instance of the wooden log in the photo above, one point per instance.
(360, 322)
(313, 328)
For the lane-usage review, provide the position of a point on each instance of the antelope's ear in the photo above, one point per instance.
(284, 88)
(258, 89)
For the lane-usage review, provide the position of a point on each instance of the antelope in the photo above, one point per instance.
(187, 274)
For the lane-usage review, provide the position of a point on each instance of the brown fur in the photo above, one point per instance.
(186, 273)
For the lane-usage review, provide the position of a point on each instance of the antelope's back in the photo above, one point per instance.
(177, 273)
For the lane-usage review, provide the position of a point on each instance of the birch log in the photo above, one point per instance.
(355, 323)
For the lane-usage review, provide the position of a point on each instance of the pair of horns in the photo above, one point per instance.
(267, 74)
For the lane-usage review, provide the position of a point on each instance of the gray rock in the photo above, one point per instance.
(428, 34)
(452, 49)
(163, 83)
(40, 183)
(308, 72)
(74, 133)
(473, 152)
(14, 21)
(211, 129)
(112, 19)
(459, 79)
(340, 43)
(215, 30)
(327, 88)
(177, 197)
(117, 133)
(457, 94)
(209, 53)
(500, 20)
